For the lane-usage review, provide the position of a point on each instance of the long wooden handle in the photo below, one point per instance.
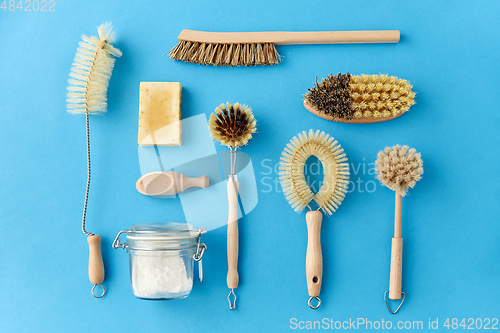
(396, 268)
(396, 252)
(96, 266)
(314, 256)
(289, 38)
(232, 235)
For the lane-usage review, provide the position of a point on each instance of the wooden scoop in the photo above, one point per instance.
(160, 183)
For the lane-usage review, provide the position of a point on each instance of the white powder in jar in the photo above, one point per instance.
(160, 277)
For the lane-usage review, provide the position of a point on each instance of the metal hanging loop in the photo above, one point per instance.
(317, 305)
(103, 290)
(233, 304)
(198, 254)
(388, 307)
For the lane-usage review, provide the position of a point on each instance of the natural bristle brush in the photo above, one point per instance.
(232, 126)
(299, 195)
(88, 84)
(359, 99)
(398, 168)
(258, 48)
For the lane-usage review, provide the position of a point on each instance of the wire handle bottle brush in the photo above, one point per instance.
(258, 48)
(398, 168)
(88, 84)
(232, 126)
(299, 195)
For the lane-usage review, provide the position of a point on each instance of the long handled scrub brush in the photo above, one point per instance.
(88, 84)
(398, 168)
(299, 195)
(232, 126)
(258, 48)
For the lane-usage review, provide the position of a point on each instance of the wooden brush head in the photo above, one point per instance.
(399, 168)
(232, 125)
(359, 98)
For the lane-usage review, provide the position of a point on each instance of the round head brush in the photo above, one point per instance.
(359, 99)
(398, 168)
(88, 85)
(299, 195)
(232, 126)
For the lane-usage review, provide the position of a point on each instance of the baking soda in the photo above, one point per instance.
(160, 277)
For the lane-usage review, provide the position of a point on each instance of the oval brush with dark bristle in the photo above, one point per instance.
(359, 99)
(232, 126)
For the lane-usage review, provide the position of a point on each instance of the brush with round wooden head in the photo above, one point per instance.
(299, 195)
(232, 126)
(359, 99)
(398, 168)
(87, 90)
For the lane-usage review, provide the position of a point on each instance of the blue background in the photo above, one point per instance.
(448, 50)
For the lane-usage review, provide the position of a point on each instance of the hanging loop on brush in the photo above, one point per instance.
(400, 304)
(314, 306)
(103, 290)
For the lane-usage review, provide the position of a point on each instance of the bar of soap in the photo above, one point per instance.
(160, 114)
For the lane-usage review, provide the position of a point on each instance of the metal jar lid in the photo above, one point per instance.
(169, 236)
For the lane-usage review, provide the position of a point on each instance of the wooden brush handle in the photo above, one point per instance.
(186, 182)
(397, 215)
(289, 38)
(396, 253)
(96, 266)
(396, 268)
(232, 235)
(314, 256)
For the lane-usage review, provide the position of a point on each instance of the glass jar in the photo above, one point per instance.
(162, 257)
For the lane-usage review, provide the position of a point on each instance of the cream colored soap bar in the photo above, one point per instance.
(160, 114)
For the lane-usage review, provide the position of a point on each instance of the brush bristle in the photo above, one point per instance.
(225, 54)
(90, 73)
(357, 96)
(335, 167)
(399, 168)
(232, 125)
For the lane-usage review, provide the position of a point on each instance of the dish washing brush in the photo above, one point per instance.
(299, 195)
(87, 89)
(398, 168)
(359, 99)
(232, 126)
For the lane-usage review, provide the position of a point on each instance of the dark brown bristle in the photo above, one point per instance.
(226, 54)
(332, 96)
(232, 125)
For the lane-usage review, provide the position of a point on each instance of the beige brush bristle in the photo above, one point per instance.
(399, 168)
(335, 167)
(361, 96)
(91, 71)
(232, 125)
(245, 54)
